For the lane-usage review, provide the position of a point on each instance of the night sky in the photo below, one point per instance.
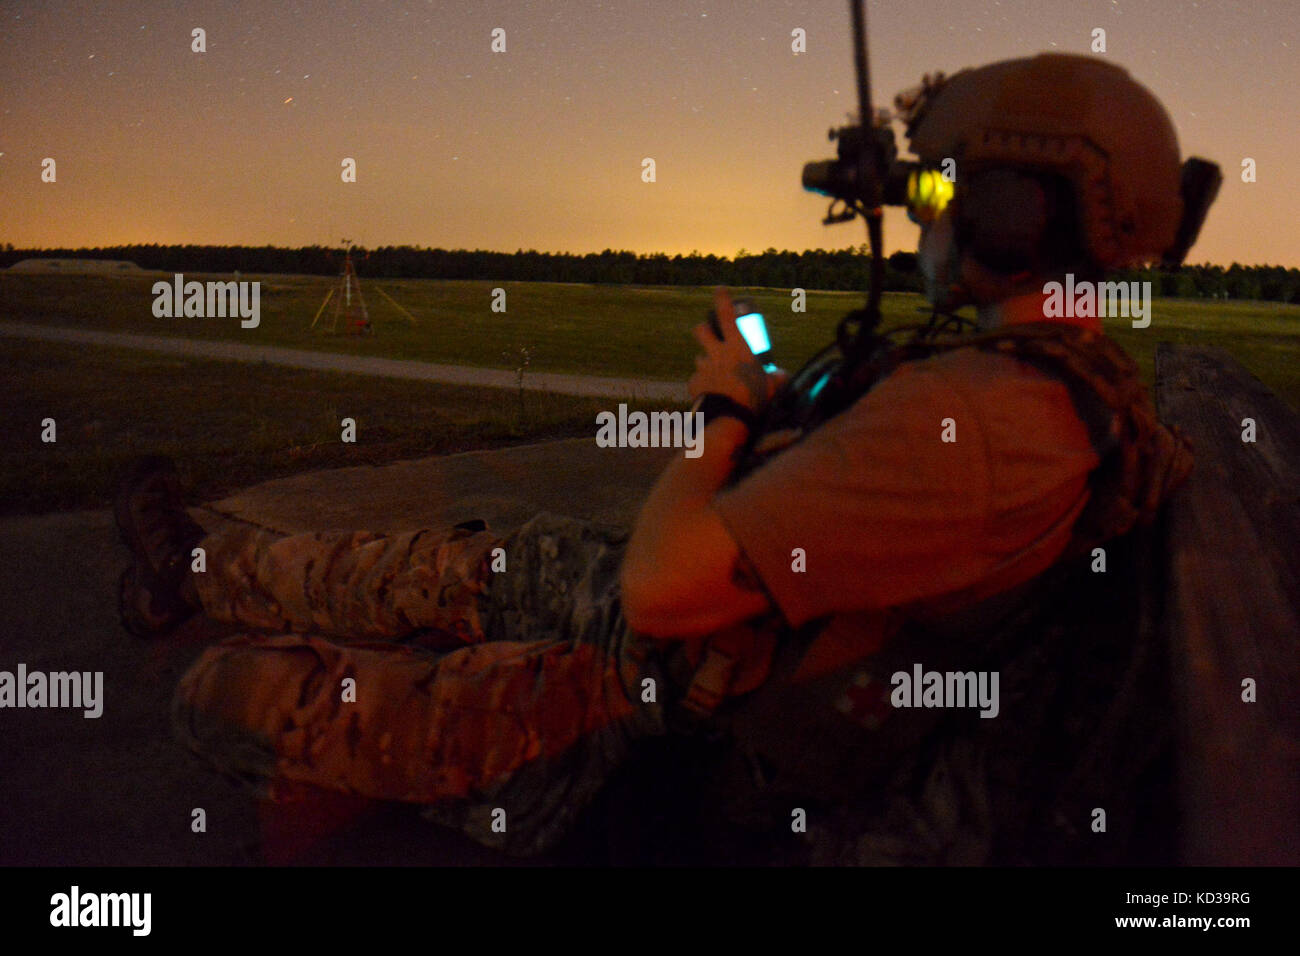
(541, 146)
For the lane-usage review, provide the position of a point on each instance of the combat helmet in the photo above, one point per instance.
(1084, 120)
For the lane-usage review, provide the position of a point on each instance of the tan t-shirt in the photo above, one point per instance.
(886, 513)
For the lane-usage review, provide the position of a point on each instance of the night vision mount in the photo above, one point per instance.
(865, 176)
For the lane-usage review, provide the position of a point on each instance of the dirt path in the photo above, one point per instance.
(592, 385)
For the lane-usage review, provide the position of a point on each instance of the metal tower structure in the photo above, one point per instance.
(350, 313)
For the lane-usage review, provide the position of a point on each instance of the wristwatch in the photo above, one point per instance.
(715, 405)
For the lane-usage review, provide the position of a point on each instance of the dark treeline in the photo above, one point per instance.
(843, 269)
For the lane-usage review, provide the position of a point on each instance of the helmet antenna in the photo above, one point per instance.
(871, 169)
(855, 183)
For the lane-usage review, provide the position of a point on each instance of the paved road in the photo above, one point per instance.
(593, 385)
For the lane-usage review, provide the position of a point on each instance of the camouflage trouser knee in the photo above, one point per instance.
(529, 720)
(355, 585)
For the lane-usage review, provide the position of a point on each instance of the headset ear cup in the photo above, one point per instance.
(1005, 217)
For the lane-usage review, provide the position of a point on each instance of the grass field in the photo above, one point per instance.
(232, 425)
(594, 330)
(597, 330)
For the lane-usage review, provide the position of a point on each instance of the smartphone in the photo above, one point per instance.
(752, 328)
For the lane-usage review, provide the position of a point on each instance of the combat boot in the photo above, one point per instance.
(155, 594)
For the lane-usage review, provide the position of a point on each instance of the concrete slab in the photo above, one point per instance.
(505, 487)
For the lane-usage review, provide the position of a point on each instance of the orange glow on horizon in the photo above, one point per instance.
(541, 147)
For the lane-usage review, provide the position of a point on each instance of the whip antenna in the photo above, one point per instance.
(870, 174)
(859, 13)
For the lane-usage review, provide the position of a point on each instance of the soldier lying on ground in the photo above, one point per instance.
(747, 600)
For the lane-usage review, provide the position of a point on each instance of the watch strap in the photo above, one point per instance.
(715, 405)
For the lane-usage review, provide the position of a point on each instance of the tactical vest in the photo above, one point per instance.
(1141, 460)
(838, 735)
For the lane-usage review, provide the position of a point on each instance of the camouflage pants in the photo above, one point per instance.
(490, 678)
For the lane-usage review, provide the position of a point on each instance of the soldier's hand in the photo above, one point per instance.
(728, 367)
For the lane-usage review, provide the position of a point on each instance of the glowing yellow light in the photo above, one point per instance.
(927, 194)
